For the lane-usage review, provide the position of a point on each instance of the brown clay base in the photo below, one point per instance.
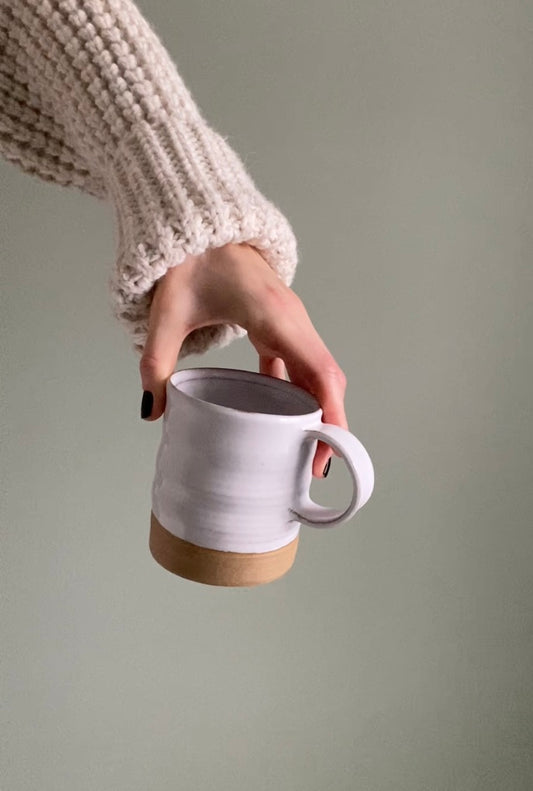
(213, 567)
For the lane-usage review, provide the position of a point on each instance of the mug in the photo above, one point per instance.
(233, 472)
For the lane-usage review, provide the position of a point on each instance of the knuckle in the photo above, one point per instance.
(343, 379)
(281, 295)
(296, 302)
(277, 309)
(148, 365)
(335, 374)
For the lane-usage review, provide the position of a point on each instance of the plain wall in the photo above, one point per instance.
(396, 655)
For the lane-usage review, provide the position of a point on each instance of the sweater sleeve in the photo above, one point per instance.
(90, 98)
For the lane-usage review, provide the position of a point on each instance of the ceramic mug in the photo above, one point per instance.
(233, 472)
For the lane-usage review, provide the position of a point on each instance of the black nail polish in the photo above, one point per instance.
(147, 404)
(326, 468)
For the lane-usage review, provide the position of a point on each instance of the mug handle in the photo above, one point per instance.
(361, 470)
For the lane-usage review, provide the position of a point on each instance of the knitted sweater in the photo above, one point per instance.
(89, 97)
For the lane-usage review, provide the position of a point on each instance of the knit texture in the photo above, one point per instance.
(89, 97)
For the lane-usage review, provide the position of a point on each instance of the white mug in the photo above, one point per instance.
(233, 472)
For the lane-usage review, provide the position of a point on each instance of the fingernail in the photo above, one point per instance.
(147, 404)
(326, 468)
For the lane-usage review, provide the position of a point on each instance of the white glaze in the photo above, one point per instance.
(238, 480)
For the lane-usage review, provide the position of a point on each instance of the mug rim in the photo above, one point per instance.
(265, 380)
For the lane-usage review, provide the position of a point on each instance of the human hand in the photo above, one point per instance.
(233, 284)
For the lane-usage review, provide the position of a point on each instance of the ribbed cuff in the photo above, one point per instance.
(180, 189)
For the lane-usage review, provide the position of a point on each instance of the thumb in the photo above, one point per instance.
(158, 362)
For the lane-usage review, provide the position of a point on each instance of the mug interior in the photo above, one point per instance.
(250, 392)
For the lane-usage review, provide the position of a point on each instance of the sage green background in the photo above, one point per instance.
(397, 654)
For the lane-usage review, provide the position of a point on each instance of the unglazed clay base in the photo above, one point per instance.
(213, 567)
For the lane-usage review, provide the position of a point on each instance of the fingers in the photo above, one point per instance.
(286, 332)
(329, 389)
(272, 366)
(323, 377)
(158, 361)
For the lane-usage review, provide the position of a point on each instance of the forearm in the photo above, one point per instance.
(98, 70)
(95, 66)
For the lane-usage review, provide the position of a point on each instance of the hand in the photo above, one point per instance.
(234, 284)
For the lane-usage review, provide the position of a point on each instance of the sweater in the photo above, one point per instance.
(90, 98)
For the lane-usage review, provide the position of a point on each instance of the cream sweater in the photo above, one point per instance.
(89, 97)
